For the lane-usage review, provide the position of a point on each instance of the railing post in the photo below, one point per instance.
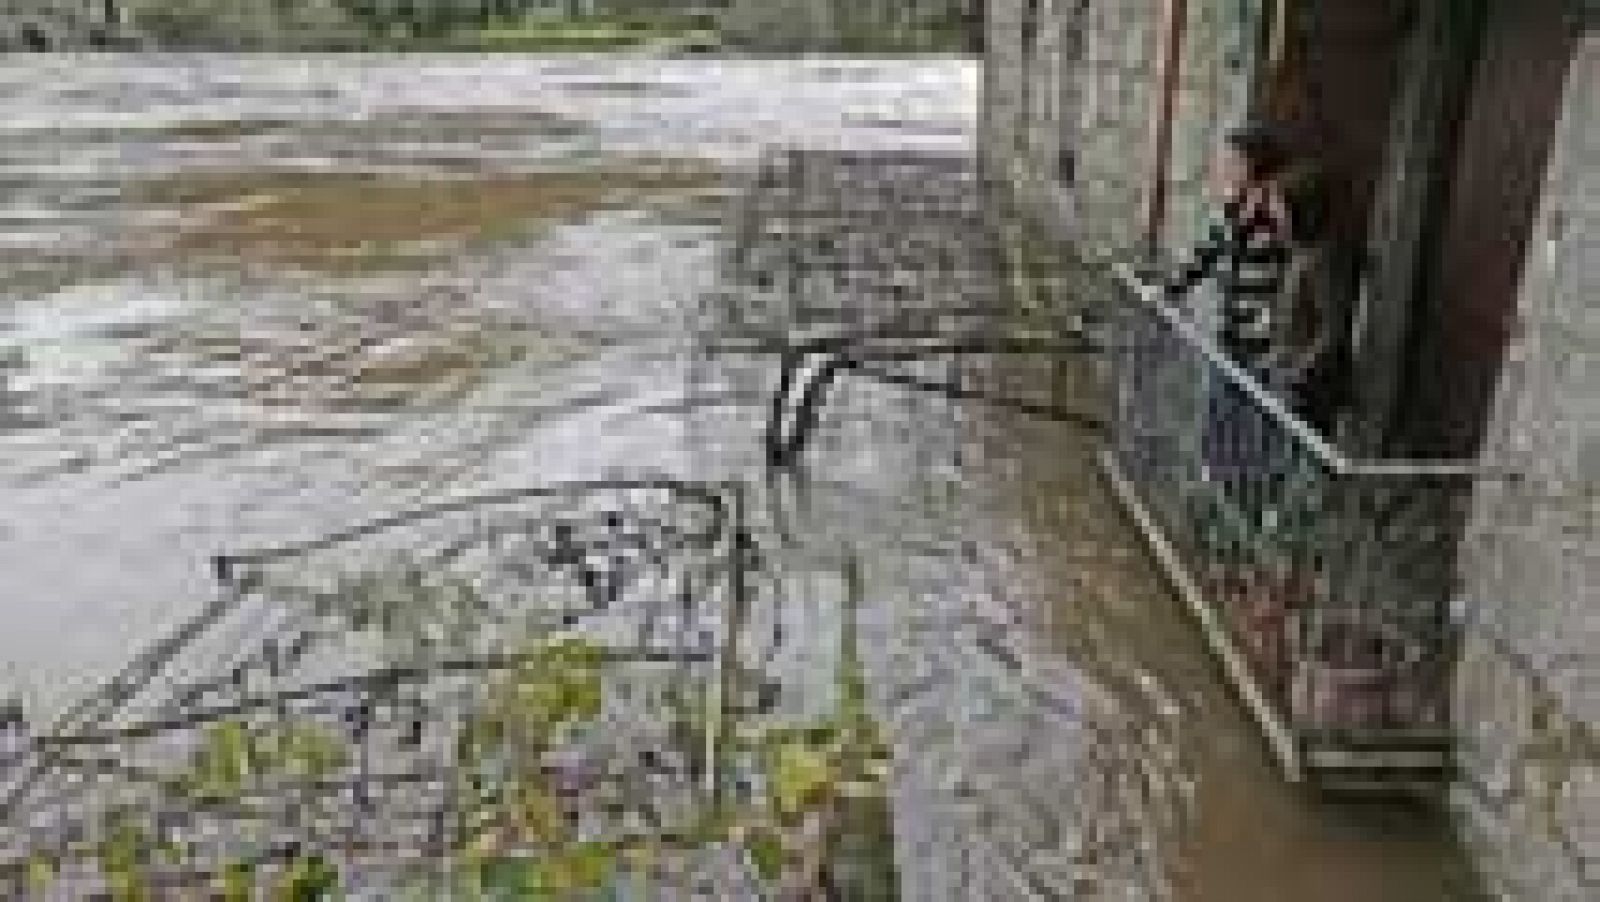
(788, 366)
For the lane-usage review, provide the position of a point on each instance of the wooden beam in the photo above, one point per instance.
(1175, 13)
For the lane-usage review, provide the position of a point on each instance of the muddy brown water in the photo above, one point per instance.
(252, 300)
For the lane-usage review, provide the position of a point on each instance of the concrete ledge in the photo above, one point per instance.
(1279, 738)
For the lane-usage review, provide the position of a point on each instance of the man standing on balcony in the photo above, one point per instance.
(1261, 250)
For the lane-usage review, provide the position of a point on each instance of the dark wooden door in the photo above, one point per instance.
(1462, 323)
(1344, 71)
(1351, 67)
(1441, 47)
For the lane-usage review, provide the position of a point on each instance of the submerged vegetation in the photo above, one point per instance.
(578, 769)
(530, 823)
(231, 755)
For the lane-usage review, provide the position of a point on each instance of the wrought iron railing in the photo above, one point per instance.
(1322, 582)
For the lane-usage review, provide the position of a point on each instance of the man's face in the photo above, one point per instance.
(1229, 173)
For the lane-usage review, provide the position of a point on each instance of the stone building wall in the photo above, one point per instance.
(1528, 690)
(1119, 73)
(1002, 77)
(1049, 116)
(1069, 114)
(1218, 40)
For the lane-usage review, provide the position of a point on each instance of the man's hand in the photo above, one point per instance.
(1149, 272)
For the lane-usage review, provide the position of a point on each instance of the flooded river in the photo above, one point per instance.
(254, 302)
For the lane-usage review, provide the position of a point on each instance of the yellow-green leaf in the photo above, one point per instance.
(802, 776)
(127, 886)
(539, 816)
(308, 879)
(224, 759)
(237, 882)
(41, 873)
(312, 752)
(584, 866)
(766, 850)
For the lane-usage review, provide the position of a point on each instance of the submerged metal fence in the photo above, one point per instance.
(533, 688)
(1322, 583)
(550, 692)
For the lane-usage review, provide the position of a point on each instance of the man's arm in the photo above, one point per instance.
(1202, 262)
(1312, 317)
